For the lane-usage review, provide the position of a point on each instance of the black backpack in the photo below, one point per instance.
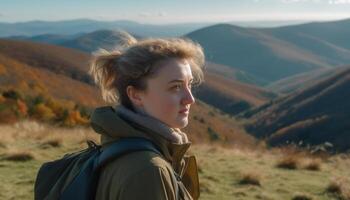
(75, 176)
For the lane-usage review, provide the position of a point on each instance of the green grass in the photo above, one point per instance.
(220, 170)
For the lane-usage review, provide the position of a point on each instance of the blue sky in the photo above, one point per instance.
(174, 11)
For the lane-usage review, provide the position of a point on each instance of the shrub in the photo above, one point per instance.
(288, 162)
(301, 196)
(213, 136)
(250, 178)
(339, 188)
(12, 94)
(313, 164)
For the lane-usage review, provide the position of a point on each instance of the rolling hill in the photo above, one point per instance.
(315, 115)
(229, 95)
(255, 52)
(39, 69)
(301, 81)
(60, 60)
(74, 64)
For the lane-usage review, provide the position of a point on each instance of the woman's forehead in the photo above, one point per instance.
(175, 69)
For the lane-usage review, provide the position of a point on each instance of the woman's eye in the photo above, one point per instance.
(176, 87)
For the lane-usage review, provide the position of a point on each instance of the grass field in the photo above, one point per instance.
(225, 173)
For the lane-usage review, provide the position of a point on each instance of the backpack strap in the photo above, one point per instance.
(87, 179)
(124, 146)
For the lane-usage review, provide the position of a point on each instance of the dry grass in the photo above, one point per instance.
(30, 134)
(18, 156)
(52, 142)
(340, 188)
(250, 178)
(2, 145)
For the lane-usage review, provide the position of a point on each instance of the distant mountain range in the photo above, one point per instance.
(78, 26)
(260, 55)
(276, 53)
(314, 115)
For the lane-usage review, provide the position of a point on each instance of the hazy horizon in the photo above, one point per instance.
(175, 12)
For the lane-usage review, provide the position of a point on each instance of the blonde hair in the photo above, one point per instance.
(132, 62)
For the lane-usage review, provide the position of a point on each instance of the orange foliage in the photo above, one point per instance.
(74, 118)
(55, 106)
(2, 99)
(42, 112)
(2, 69)
(22, 107)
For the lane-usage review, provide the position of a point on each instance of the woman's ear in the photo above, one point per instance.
(134, 95)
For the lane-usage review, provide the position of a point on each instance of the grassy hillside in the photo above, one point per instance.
(229, 95)
(301, 81)
(315, 115)
(235, 173)
(60, 60)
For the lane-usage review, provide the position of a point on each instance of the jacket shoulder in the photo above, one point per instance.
(137, 171)
(126, 166)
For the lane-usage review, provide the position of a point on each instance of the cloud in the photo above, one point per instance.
(317, 1)
(339, 1)
(148, 14)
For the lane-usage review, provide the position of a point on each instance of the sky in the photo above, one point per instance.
(174, 11)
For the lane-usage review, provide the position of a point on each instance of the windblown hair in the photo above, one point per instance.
(132, 62)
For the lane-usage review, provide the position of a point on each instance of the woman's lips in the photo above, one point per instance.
(184, 111)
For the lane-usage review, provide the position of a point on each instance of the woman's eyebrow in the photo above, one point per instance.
(179, 80)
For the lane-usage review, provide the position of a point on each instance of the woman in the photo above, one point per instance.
(151, 80)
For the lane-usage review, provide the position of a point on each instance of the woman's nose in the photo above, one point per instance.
(188, 97)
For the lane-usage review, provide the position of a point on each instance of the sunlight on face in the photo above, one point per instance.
(168, 96)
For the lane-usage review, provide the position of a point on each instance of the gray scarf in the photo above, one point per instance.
(174, 135)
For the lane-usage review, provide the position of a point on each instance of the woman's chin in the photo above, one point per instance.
(182, 123)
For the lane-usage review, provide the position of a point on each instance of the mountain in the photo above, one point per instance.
(271, 54)
(315, 115)
(329, 40)
(332, 35)
(301, 81)
(255, 52)
(71, 27)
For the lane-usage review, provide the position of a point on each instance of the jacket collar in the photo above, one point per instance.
(113, 126)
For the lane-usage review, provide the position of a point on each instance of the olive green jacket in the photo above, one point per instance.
(143, 174)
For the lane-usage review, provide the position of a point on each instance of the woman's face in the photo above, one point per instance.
(168, 96)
